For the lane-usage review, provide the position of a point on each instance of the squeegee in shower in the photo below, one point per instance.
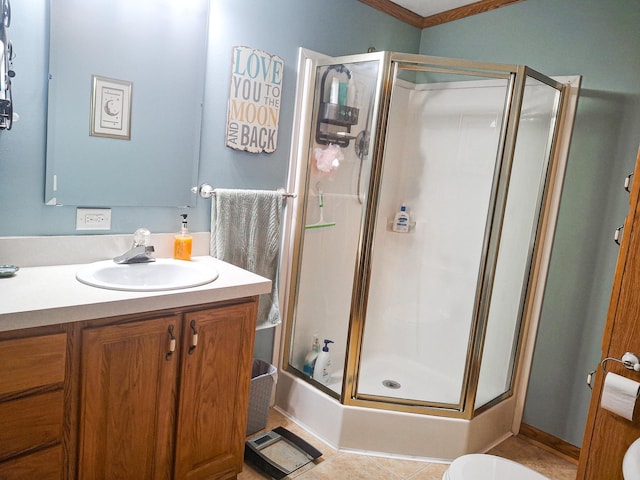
(321, 223)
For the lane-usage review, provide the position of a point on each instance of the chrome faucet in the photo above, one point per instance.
(140, 252)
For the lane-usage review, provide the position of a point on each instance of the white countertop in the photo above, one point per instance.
(49, 295)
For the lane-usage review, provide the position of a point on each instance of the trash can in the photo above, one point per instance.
(263, 378)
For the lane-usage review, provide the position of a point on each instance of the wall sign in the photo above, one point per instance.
(253, 111)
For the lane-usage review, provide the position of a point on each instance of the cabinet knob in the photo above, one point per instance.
(194, 337)
(627, 182)
(617, 236)
(172, 343)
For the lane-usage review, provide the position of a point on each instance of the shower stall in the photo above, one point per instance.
(428, 329)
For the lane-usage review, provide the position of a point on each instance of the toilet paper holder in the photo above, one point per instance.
(629, 360)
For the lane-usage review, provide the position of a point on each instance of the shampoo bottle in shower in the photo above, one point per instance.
(322, 368)
(312, 356)
(183, 242)
(401, 220)
(334, 92)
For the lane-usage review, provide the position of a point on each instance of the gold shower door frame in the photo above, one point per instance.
(390, 64)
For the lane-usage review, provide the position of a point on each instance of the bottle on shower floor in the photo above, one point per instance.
(312, 356)
(322, 368)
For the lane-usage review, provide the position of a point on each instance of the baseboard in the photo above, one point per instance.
(550, 443)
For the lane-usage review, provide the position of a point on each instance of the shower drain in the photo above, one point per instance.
(391, 384)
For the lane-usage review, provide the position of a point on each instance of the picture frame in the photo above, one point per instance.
(110, 108)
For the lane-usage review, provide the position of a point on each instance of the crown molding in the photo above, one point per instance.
(407, 16)
(396, 11)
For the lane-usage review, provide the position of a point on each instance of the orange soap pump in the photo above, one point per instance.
(183, 242)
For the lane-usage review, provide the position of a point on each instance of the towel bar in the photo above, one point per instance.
(206, 191)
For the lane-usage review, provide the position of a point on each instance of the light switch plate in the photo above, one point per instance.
(93, 219)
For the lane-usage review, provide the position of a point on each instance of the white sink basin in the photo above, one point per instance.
(631, 462)
(163, 274)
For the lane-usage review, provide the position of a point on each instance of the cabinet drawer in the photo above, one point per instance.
(29, 363)
(44, 465)
(30, 423)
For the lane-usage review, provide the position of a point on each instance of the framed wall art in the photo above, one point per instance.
(110, 108)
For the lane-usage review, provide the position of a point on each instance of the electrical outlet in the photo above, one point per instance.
(93, 219)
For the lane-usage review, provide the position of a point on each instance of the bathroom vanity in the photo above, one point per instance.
(103, 384)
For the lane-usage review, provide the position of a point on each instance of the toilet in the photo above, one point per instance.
(478, 466)
(631, 462)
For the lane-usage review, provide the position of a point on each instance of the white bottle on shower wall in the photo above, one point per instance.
(401, 220)
(334, 92)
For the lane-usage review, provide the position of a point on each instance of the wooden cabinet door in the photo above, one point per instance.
(214, 389)
(607, 436)
(128, 400)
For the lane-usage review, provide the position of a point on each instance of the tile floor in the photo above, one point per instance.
(334, 465)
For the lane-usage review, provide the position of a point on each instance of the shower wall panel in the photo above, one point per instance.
(441, 151)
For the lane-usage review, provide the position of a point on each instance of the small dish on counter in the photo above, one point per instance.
(8, 270)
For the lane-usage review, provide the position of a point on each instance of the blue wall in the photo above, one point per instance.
(334, 27)
(599, 40)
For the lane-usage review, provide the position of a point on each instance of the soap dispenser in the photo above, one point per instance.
(322, 368)
(183, 241)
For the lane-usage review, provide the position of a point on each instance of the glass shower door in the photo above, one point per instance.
(443, 142)
(523, 209)
(336, 183)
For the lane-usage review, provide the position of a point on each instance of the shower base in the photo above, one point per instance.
(391, 433)
(393, 376)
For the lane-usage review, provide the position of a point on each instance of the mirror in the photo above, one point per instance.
(126, 87)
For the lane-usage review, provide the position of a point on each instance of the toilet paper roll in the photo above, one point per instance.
(620, 395)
